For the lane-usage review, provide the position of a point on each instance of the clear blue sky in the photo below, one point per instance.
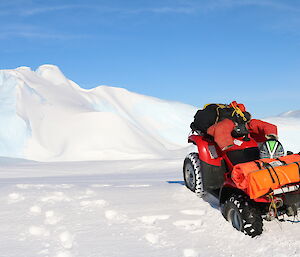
(192, 51)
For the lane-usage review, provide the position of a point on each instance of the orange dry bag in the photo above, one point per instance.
(260, 177)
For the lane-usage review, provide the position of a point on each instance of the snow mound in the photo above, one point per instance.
(291, 114)
(288, 129)
(48, 117)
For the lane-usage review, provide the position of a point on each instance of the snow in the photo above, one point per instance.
(13, 131)
(288, 130)
(110, 183)
(121, 208)
(50, 118)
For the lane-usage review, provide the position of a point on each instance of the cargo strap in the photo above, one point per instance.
(220, 106)
(283, 162)
(268, 165)
(258, 165)
(273, 205)
(238, 111)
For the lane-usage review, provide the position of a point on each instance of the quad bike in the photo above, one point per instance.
(210, 171)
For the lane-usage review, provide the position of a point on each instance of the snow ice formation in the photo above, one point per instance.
(47, 117)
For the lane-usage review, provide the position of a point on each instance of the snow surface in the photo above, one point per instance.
(120, 209)
(121, 192)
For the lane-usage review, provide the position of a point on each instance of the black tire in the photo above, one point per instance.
(192, 174)
(242, 214)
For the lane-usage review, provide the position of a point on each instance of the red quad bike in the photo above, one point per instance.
(209, 171)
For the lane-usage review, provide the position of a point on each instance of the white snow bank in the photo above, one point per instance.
(288, 131)
(291, 114)
(47, 117)
(50, 118)
(288, 124)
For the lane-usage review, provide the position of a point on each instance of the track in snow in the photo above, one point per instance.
(129, 213)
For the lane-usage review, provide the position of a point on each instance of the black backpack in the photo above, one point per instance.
(213, 113)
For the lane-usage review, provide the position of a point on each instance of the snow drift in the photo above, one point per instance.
(47, 117)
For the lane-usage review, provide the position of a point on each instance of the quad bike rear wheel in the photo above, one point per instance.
(244, 217)
(193, 175)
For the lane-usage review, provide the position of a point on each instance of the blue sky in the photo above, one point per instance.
(192, 51)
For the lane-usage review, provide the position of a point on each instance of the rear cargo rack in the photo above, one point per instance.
(286, 189)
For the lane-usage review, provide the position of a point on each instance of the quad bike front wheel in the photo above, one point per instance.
(192, 174)
(243, 215)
